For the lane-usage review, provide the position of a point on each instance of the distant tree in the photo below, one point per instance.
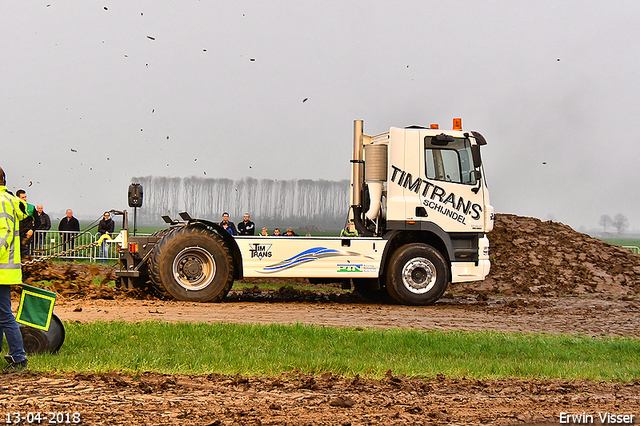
(605, 220)
(620, 222)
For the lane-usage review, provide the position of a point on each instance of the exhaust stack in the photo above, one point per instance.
(375, 174)
(357, 178)
(357, 164)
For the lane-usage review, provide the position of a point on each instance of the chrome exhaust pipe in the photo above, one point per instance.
(357, 164)
(357, 178)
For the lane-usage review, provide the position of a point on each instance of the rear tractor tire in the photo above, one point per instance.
(192, 264)
(417, 275)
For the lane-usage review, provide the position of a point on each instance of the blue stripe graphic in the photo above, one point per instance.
(309, 256)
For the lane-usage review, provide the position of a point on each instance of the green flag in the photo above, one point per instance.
(36, 307)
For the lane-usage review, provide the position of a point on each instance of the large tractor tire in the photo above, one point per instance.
(192, 264)
(417, 275)
(150, 287)
(162, 232)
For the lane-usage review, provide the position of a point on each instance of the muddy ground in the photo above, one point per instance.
(545, 278)
(298, 399)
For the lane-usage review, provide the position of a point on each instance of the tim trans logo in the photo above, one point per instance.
(349, 267)
(436, 198)
(260, 251)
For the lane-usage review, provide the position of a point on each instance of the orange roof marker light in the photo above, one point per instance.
(457, 124)
(434, 126)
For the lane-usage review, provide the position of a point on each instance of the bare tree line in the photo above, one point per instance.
(619, 222)
(270, 202)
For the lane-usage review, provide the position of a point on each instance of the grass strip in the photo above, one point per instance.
(269, 350)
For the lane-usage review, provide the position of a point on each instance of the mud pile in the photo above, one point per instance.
(532, 257)
(72, 280)
(528, 257)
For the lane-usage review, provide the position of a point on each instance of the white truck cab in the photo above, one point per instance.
(418, 221)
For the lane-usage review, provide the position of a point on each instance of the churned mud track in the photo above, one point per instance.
(299, 399)
(327, 399)
(545, 277)
(567, 315)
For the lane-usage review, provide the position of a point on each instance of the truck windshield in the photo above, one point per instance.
(450, 163)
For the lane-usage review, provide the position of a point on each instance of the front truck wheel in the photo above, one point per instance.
(192, 264)
(417, 275)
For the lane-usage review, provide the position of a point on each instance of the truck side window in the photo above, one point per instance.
(450, 163)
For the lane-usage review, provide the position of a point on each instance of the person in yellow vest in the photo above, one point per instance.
(12, 211)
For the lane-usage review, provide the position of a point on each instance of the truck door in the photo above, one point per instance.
(451, 193)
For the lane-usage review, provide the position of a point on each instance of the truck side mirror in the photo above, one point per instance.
(475, 152)
(475, 149)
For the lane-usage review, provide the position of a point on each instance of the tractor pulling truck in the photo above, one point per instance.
(418, 221)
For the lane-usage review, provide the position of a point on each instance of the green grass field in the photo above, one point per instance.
(623, 241)
(269, 350)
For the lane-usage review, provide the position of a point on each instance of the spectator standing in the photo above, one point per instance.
(45, 225)
(45, 220)
(246, 227)
(228, 223)
(67, 227)
(264, 232)
(28, 225)
(14, 210)
(106, 226)
(276, 232)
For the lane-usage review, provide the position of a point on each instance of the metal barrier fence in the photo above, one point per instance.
(46, 243)
(634, 249)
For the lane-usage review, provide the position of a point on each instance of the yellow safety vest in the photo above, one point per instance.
(10, 217)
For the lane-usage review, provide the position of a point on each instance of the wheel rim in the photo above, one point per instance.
(194, 268)
(419, 275)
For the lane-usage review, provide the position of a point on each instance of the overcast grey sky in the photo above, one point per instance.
(210, 88)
